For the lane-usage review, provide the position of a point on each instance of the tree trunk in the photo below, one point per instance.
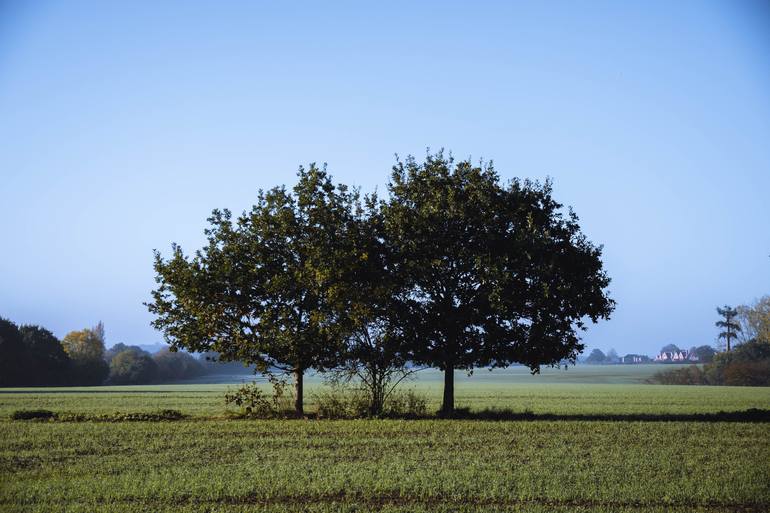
(298, 395)
(448, 403)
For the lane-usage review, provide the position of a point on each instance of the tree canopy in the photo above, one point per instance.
(496, 273)
(264, 288)
(50, 364)
(453, 269)
(85, 349)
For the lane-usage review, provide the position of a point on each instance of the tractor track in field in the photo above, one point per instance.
(396, 500)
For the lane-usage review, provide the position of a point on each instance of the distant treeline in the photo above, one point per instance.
(744, 364)
(748, 364)
(699, 354)
(33, 356)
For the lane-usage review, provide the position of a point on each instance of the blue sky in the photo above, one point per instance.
(122, 125)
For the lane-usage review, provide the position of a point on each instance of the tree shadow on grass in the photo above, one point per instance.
(750, 415)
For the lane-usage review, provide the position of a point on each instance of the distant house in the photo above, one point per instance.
(677, 357)
(635, 359)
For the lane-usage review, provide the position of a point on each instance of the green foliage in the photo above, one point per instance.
(263, 290)
(31, 356)
(339, 402)
(406, 404)
(496, 274)
(132, 367)
(454, 270)
(749, 374)
(376, 353)
(670, 348)
(14, 360)
(704, 353)
(342, 402)
(728, 324)
(746, 365)
(597, 356)
(48, 363)
(176, 365)
(754, 320)
(253, 401)
(690, 375)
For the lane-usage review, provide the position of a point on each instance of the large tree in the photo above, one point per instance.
(497, 273)
(263, 290)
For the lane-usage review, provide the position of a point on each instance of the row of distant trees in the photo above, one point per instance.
(745, 360)
(739, 325)
(705, 353)
(33, 356)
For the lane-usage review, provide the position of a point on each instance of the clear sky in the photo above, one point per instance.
(122, 125)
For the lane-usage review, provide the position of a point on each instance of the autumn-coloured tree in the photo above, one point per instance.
(85, 349)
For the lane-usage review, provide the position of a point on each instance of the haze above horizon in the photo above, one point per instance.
(124, 126)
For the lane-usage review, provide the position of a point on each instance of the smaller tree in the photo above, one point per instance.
(729, 325)
(176, 365)
(670, 348)
(118, 348)
(754, 320)
(612, 356)
(704, 353)
(131, 367)
(597, 356)
(376, 354)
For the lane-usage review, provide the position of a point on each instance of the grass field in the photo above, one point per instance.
(209, 463)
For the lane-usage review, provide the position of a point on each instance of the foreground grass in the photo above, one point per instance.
(407, 465)
(206, 463)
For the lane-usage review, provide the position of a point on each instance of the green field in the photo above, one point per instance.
(210, 463)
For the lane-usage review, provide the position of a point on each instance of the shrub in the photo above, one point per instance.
(338, 402)
(750, 374)
(253, 401)
(407, 404)
(692, 375)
